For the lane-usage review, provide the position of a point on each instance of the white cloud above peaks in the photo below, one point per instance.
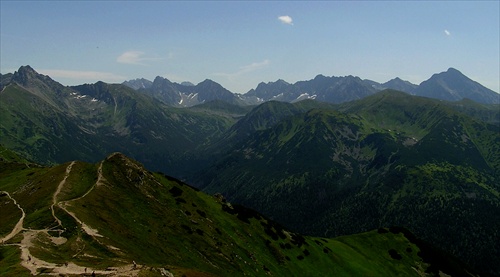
(447, 33)
(140, 57)
(254, 66)
(132, 57)
(285, 19)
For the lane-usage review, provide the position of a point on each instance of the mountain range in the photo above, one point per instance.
(320, 168)
(451, 85)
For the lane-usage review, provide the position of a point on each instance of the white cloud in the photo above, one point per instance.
(140, 58)
(83, 75)
(447, 33)
(253, 66)
(285, 19)
(131, 57)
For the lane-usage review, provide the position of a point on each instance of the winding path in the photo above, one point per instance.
(58, 190)
(19, 225)
(34, 265)
(64, 204)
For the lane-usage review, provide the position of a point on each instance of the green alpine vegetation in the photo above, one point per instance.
(319, 169)
(117, 218)
(50, 123)
(389, 159)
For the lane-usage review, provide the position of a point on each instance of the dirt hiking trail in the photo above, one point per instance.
(36, 265)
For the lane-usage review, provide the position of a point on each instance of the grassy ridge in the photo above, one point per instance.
(161, 222)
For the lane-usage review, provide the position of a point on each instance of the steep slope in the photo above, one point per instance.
(164, 90)
(389, 159)
(117, 219)
(9, 156)
(5, 79)
(261, 117)
(42, 127)
(452, 85)
(50, 123)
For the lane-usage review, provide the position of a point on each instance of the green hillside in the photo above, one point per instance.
(52, 124)
(389, 159)
(117, 218)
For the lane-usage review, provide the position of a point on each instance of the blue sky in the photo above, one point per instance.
(239, 44)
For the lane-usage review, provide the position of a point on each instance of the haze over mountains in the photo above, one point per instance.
(324, 168)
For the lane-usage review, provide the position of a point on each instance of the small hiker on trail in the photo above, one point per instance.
(135, 265)
(93, 273)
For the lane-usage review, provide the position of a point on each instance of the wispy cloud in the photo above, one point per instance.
(246, 69)
(285, 19)
(83, 75)
(140, 58)
(253, 66)
(447, 33)
(131, 57)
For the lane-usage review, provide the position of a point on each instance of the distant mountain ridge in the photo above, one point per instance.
(184, 94)
(451, 85)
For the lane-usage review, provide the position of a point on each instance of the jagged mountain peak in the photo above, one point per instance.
(139, 83)
(26, 69)
(26, 73)
(161, 79)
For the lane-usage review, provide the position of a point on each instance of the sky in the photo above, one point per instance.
(239, 44)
